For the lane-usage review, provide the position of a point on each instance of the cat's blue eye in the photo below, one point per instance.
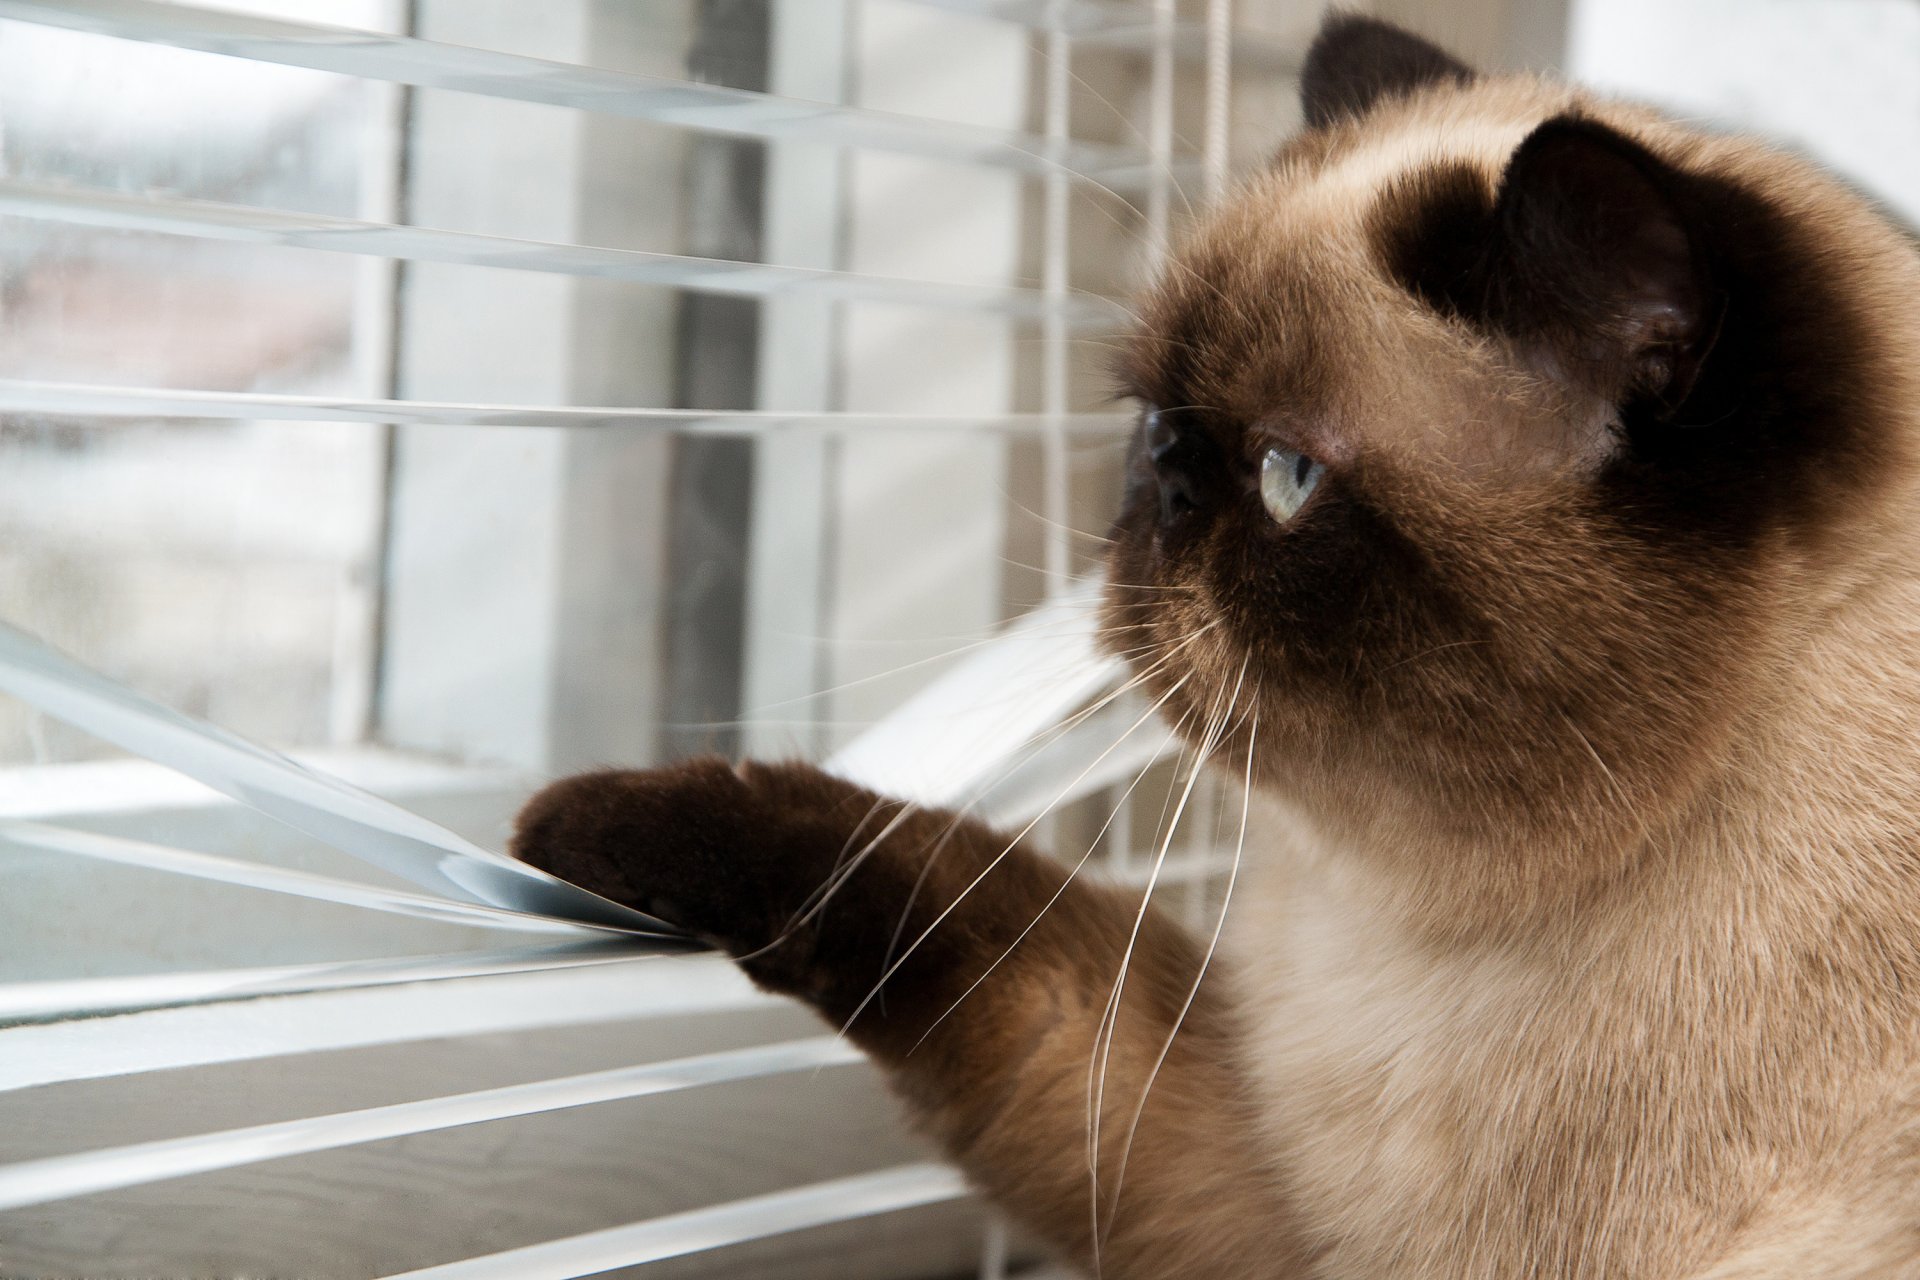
(1287, 480)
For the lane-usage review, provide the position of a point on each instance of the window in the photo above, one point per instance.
(531, 387)
(228, 567)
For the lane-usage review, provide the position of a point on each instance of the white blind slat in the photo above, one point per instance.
(351, 820)
(86, 401)
(89, 1172)
(1104, 749)
(507, 991)
(815, 1205)
(272, 879)
(205, 219)
(63, 997)
(433, 65)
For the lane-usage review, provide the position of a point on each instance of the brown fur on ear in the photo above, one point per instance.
(1356, 61)
(1587, 255)
(1709, 336)
(1596, 256)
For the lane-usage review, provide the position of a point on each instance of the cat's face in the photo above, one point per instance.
(1477, 481)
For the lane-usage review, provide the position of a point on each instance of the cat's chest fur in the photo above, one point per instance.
(1543, 1109)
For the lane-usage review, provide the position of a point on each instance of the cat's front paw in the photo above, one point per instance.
(819, 888)
(734, 855)
(669, 842)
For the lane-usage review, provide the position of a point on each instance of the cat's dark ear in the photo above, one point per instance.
(1596, 266)
(1355, 61)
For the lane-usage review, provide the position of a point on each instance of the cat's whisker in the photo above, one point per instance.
(1104, 631)
(818, 900)
(1033, 744)
(1165, 588)
(1160, 168)
(1000, 857)
(1428, 653)
(843, 869)
(1104, 1035)
(1125, 119)
(1093, 847)
(1072, 531)
(1620, 796)
(976, 642)
(1189, 408)
(1206, 961)
(1235, 304)
(931, 854)
(845, 855)
(1123, 347)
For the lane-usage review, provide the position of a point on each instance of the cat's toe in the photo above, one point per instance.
(678, 843)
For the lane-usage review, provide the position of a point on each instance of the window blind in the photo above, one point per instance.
(1038, 696)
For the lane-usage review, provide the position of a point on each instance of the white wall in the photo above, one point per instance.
(1841, 81)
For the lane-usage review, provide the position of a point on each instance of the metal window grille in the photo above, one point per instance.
(362, 1080)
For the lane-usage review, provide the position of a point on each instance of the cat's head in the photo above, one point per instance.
(1496, 444)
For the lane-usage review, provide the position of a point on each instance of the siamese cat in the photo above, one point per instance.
(1524, 505)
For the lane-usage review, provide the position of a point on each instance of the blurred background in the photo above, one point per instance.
(449, 612)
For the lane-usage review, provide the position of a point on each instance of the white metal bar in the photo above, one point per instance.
(63, 997)
(373, 337)
(806, 210)
(814, 1205)
(351, 820)
(1056, 505)
(1160, 134)
(84, 1173)
(89, 207)
(433, 65)
(1219, 135)
(260, 875)
(87, 401)
(402, 1010)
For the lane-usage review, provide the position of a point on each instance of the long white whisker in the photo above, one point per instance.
(1213, 945)
(972, 641)
(996, 860)
(847, 867)
(1092, 847)
(845, 870)
(1111, 1021)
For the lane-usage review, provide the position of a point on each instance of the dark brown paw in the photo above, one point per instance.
(677, 843)
(735, 856)
(820, 889)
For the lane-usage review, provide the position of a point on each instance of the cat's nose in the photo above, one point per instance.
(1177, 458)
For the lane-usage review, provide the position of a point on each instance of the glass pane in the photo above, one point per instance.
(225, 568)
